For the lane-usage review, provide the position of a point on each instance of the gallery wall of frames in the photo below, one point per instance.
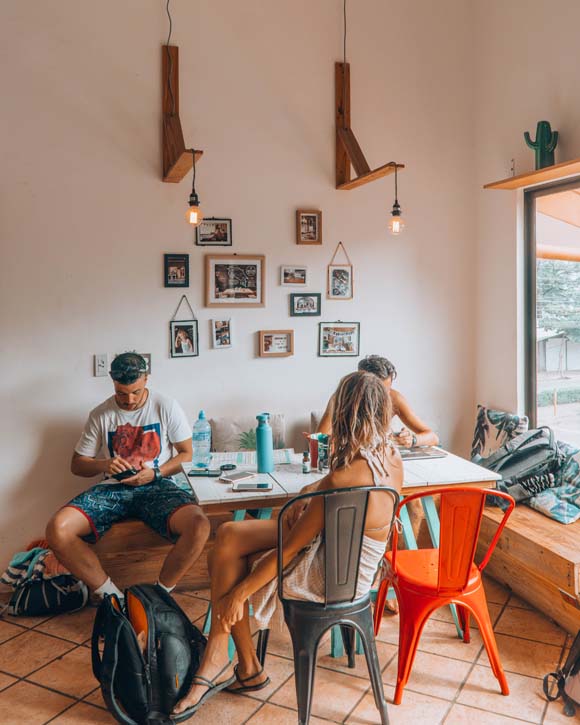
(234, 282)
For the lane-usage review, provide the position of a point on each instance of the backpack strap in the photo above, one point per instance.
(105, 667)
(512, 445)
(109, 665)
(98, 631)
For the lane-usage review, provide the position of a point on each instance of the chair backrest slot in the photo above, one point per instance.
(460, 517)
(343, 531)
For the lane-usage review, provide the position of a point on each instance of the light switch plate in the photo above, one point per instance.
(101, 365)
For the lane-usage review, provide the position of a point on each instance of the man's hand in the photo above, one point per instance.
(116, 465)
(145, 475)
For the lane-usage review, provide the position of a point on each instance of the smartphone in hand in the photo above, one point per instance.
(125, 474)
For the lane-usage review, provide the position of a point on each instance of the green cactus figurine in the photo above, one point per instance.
(544, 145)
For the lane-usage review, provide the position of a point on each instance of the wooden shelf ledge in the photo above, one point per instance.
(371, 176)
(549, 173)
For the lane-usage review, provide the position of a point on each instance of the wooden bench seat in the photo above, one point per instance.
(539, 559)
(132, 553)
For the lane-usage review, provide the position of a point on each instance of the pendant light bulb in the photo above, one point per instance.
(396, 222)
(194, 215)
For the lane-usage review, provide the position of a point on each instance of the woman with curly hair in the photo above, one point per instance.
(243, 563)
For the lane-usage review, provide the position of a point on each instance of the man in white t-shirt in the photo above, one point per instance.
(141, 438)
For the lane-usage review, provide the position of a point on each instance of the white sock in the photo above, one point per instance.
(109, 588)
(167, 589)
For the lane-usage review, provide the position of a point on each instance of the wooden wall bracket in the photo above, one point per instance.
(177, 160)
(348, 151)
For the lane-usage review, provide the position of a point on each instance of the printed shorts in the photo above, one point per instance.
(154, 503)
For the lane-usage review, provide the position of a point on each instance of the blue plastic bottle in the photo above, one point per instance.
(264, 446)
(201, 441)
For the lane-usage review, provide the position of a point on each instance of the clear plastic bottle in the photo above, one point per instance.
(201, 440)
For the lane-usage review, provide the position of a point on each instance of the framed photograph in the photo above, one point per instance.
(305, 305)
(147, 356)
(275, 343)
(308, 226)
(235, 280)
(184, 338)
(176, 268)
(340, 282)
(293, 276)
(338, 339)
(221, 333)
(214, 232)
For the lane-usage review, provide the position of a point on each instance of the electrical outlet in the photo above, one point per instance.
(101, 365)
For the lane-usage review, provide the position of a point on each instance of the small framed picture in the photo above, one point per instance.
(147, 356)
(214, 232)
(340, 282)
(221, 333)
(293, 276)
(305, 305)
(176, 267)
(235, 280)
(338, 339)
(184, 338)
(308, 226)
(275, 343)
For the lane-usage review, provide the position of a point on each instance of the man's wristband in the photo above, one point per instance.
(157, 475)
(414, 441)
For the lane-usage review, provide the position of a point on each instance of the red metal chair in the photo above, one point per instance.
(426, 579)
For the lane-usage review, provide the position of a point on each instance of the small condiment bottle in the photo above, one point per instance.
(306, 462)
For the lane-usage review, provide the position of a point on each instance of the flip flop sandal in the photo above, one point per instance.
(213, 689)
(248, 688)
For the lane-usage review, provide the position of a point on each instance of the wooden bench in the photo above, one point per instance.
(132, 553)
(538, 559)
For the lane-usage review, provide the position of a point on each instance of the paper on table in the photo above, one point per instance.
(248, 458)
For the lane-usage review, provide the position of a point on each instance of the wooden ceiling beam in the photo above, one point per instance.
(177, 160)
(348, 150)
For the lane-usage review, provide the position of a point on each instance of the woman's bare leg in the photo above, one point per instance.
(228, 563)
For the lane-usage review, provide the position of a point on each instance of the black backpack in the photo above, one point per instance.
(565, 682)
(534, 452)
(151, 653)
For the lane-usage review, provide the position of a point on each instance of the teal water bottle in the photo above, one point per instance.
(264, 446)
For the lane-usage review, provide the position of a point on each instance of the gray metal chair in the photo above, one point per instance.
(344, 520)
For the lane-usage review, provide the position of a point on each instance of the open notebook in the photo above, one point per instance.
(418, 452)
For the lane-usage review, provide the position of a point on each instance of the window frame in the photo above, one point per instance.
(530, 342)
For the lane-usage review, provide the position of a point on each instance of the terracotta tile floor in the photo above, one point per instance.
(45, 674)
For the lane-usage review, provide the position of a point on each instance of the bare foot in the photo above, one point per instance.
(215, 667)
(391, 606)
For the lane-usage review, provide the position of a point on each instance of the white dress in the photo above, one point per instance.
(304, 576)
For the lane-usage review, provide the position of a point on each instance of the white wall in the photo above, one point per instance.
(527, 56)
(86, 218)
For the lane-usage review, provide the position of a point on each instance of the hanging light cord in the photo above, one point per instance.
(193, 181)
(170, 61)
(396, 194)
(344, 66)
